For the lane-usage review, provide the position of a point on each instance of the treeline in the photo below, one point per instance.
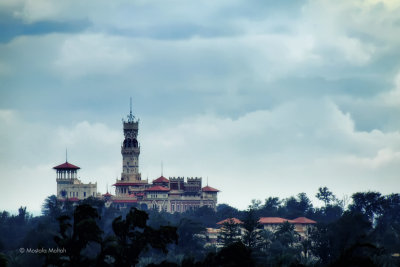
(365, 232)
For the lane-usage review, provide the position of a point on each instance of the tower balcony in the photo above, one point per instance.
(130, 150)
(131, 125)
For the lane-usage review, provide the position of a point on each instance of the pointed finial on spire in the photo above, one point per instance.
(66, 155)
(130, 106)
(162, 168)
(207, 180)
(131, 118)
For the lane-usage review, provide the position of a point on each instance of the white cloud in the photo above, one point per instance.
(30, 150)
(262, 135)
(83, 132)
(296, 147)
(392, 98)
(382, 158)
(94, 54)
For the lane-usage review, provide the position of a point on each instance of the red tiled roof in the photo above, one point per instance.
(230, 220)
(107, 195)
(303, 220)
(125, 201)
(126, 184)
(161, 179)
(139, 194)
(271, 220)
(209, 189)
(157, 188)
(66, 165)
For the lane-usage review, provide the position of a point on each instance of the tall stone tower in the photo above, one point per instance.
(130, 149)
(131, 181)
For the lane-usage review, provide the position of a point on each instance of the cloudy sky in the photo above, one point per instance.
(265, 98)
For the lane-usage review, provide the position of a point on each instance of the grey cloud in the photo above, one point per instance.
(238, 91)
(12, 27)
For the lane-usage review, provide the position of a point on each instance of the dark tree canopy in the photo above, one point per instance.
(363, 234)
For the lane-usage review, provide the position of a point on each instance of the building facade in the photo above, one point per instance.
(302, 225)
(171, 195)
(69, 187)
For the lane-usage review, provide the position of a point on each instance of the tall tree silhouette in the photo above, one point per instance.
(133, 236)
(75, 237)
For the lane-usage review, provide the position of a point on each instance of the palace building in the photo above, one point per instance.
(171, 195)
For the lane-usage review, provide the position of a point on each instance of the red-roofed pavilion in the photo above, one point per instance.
(66, 171)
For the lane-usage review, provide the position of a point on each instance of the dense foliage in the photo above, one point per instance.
(364, 233)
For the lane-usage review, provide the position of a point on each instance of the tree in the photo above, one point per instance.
(251, 236)
(331, 242)
(230, 232)
(325, 195)
(76, 237)
(23, 216)
(226, 211)
(284, 251)
(255, 204)
(271, 206)
(305, 204)
(133, 236)
(205, 215)
(236, 254)
(96, 203)
(321, 243)
(52, 207)
(387, 230)
(332, 213)
(189, 232)
(3, 260)
(286, 234)
(298, 207)
(370, 204)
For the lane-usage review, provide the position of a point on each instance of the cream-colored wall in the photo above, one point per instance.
(77, 190)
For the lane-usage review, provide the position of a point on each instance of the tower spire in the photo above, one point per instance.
(131, 118)
(130, 114)
(162, 168)
(66, 155)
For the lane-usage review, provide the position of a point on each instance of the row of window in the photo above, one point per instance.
(123, 190)
(76, 194)
(134, 170)
(184, 207)
(155, 195)
(67, 175)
